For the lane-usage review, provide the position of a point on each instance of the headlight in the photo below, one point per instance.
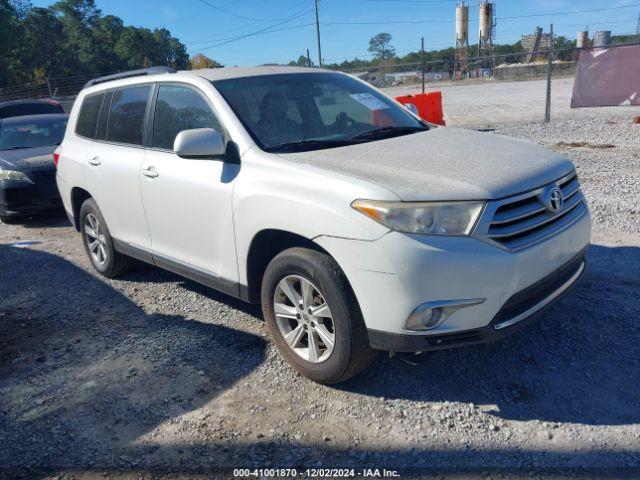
(430, 218)
(13, 175)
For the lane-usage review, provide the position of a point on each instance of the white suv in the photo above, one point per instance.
(356, 225)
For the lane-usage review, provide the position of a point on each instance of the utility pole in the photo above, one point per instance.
(318, 32)
(308, 59)
(547, 111)
(422, 61)
(638, 30)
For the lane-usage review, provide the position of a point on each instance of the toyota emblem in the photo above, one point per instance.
(553, 200)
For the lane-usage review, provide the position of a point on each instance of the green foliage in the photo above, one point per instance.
(302, 61)
(200, 60)
(73, 37)
(380, 46)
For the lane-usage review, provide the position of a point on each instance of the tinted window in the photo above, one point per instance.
(313, 110)
(32, 131)
(88, 117)
(177, 109)
(126, 115)
(19, 108)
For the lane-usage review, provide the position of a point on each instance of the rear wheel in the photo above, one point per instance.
(313, 317)
(99, 244)
(9, 220)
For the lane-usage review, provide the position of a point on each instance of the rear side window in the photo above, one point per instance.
(88, 117)
(180, 108)
(126, 115)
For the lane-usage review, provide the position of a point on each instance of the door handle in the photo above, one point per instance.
(150, 172)
(95, 161)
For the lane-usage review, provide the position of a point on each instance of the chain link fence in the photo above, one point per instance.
(479, 92)
(63, 89)
(483, 92)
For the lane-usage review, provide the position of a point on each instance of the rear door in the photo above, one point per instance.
(188, 202)
(114, 162)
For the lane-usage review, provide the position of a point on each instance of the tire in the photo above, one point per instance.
(9, 220)
(350, 352)
(105, 258)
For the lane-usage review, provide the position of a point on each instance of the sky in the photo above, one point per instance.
(277, 31)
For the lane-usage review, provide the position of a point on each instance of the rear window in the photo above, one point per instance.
(126, 115)
(32, 131)
(88, 117)
(21, 108)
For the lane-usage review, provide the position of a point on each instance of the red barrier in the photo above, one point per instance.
(429, 106)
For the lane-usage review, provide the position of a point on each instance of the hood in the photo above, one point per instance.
(444, 164)
(24, 159)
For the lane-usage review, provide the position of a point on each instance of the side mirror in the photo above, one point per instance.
(199, 143)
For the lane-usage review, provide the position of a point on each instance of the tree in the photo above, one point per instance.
(79, 18)
(11, 13)
(106, 34)
(302, 61)
(44, 49)
(380, 46)
(200, 61)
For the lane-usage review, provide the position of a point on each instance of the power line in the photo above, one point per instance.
(252, 19)
(254, 33)
(263, 31)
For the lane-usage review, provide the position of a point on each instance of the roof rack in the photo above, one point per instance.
(129, 74)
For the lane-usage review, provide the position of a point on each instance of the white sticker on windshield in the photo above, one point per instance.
(369, 101)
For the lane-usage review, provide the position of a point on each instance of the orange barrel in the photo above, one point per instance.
(429, 106)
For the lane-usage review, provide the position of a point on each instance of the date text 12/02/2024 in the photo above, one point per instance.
(316, 473)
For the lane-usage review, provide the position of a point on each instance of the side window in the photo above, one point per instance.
(126, 115)
(88, 117)
(180, 108)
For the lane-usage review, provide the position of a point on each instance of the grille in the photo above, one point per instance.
(527, 219)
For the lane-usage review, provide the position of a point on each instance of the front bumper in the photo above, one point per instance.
(521, 310)
(22, 198)
(391, 276)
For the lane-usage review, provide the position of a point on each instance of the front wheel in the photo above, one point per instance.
(313, 317)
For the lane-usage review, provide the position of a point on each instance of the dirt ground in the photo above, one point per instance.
(155, 376)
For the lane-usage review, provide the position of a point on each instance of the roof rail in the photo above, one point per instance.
(129, 74)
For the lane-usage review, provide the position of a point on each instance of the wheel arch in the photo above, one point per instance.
(78, 197)
(264, 246)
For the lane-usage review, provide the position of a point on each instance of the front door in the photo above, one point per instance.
(188, 202)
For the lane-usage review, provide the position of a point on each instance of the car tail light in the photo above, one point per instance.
(56, 157)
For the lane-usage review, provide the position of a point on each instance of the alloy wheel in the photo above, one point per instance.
(304, 318)
(95, 238)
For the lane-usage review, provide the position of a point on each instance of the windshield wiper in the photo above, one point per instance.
(310, 143)
(386, 132)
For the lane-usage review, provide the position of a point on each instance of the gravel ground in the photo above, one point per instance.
(153, 375)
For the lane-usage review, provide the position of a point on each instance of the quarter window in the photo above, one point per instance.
(126, 115)
(88, 117)
(180, 108)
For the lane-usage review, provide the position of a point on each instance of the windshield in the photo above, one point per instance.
(32, 132)
(311, 111)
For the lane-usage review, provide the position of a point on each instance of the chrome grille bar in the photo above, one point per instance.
(523, 220)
